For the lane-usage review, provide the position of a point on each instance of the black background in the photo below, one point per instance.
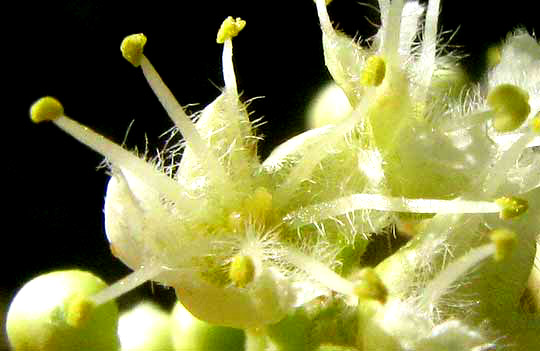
(53, 195)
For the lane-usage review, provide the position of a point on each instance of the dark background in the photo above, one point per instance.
(70, 50)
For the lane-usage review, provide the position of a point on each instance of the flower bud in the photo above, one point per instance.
(55, 312)
(190, 333)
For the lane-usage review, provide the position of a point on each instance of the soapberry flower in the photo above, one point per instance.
(277, 245)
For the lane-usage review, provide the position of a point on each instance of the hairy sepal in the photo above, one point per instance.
(225, 126)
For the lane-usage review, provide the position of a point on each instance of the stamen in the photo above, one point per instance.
(128, 283)
(46, 109)
(502, 243)
(132, 48)
(50, 109)
(174, 110)
(228, 30)
(355, 202)
(374, 71)
(511, 207)
(242, 270)
(228, 68)
(446, 279)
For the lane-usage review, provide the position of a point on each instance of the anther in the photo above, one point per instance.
(46, 109)
(229, 29)
(242, 270)
(132, 48)
(511, 207)
(374, 71)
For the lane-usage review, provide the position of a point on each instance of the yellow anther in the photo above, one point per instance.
(132, 48)
(229, 29)
(535, 123)
(511, 206)
(370, 286)
(46, 109)
(78, 310)
(504, 241)
(242, 270)
(374, 71)
(510, 105)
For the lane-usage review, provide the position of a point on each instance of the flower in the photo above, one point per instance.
(248, 243)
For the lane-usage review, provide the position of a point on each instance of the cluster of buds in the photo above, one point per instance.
(277, 247)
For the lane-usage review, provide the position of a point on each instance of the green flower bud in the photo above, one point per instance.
(145, 327)
(190, 333)
(55, 312)
(330, 106)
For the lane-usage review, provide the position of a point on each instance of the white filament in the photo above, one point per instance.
(128, 283)
(124, 159)
(181, 120)
(228, 68)
(343, 205)
(446, 279)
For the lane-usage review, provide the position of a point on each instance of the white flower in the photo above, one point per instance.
(245, 242)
